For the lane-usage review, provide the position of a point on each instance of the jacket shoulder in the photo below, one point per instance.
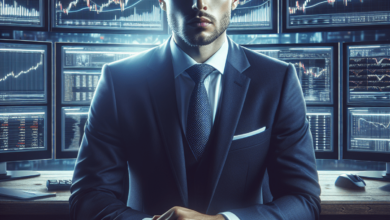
(258, 59)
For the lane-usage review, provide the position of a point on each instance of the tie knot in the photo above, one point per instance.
(199, 72)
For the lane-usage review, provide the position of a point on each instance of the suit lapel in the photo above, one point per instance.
(162, 88)
(234, 90)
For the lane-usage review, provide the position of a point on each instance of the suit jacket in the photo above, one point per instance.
(131, 161)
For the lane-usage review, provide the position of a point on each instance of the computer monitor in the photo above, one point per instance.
(339, 15)
(78, 70)
(317, 69)
(254, 17)
(133, 16)
(24, 15)
(367, 104)
(25, 104)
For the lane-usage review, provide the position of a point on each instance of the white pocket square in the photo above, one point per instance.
(240, 136)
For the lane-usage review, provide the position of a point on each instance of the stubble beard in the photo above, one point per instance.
(197, 40)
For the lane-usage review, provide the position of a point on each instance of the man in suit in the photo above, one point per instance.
(186, 130)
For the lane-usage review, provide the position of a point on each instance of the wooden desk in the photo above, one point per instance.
(337, 203)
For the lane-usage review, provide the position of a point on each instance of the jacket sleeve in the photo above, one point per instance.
(100, 180)
(292, 171)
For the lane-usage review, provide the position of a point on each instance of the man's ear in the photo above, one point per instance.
(163, 5)
(235, 4)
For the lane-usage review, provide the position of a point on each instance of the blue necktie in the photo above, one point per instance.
(199, 117)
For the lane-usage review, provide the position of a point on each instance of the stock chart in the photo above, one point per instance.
(320, 122)
(74, 119)
(369, 73)
(314, 68)
(81, 69)
(370, 130)
(21, 130)
(22, 75)
(336, 13)
(21, 13)
(108, 14)
(252, 14)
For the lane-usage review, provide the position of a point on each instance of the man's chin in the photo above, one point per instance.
(200, 39)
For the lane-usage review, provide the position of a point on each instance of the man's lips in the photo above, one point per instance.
(199, 22)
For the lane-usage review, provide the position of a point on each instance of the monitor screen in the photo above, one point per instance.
(253, 15)
(23, 128)
(308, 14)
(123, 15)
(369, 130)
(81, 68)
(321, 123)
(22, 13)
(23, 73)
(368, 72)
(314, 65)
(73, 120)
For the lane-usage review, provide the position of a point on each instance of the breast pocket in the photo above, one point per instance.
(242, 141)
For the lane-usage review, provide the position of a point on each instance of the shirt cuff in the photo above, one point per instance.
(229, 216)
(147, 218)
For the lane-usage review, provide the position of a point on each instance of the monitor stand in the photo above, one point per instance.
(377, 175)
(13, 175)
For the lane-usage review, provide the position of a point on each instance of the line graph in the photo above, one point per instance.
(313, 68)
(251, 13)
(21, 71)
(109, 14)
(13, 75)
(337, 13)
(369, 73)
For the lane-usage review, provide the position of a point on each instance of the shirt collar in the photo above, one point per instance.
(182, 61)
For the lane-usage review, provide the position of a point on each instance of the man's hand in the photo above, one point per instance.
(181, 213)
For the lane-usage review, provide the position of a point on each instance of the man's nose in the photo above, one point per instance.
(198, 4)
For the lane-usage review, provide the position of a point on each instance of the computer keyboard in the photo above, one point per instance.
(58, 184)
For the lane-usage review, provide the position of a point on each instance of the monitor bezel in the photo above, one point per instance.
(324, 29)
(101, 30)
(367, 156)
(45, 21)
(275, 23)
(47, 153)
(336, 88)
(58, 153)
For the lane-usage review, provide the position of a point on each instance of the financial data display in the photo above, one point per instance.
(22, 128)
(321, 124)
(252, 14)
(108, 14)
(23, 71)
(369, 129)
(336, 13)
(314, 66)
(369, 73)
(73, 121)
(81, 69)
(28, 13)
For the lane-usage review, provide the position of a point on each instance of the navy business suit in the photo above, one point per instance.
(134, 133)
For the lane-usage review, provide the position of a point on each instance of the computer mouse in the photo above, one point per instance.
(350, 181)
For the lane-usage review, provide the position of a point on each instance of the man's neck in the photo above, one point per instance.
(201, 53)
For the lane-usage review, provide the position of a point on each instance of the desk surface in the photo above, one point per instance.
(375, 200)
